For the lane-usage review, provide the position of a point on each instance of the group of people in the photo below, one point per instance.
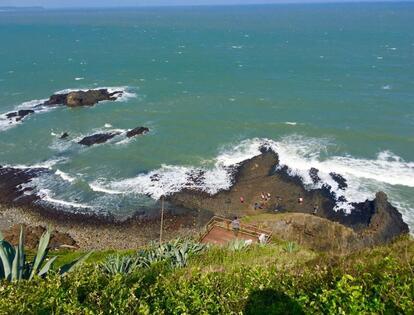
(264, 199)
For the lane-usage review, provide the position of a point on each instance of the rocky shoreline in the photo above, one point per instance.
(371, 222)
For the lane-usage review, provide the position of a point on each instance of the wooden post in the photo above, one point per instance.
(162, 218)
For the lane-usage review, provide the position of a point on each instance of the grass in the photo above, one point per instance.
(258, 280)
(218, 258)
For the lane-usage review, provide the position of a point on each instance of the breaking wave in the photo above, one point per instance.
(299, 154)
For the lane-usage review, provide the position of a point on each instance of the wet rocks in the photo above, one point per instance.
(376, 221)
(340, 180)
(70, 99)
(98, 138)
(64, 136)
(83, 98)
(19, 115)
(313, 173)
(104, 137)
(137, 131)
(12, 181)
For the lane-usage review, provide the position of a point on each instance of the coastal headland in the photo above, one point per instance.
(262, 192)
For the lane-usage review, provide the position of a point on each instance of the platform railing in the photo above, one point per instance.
(245, 228)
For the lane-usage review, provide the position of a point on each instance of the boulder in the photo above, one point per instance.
(98, 138)
(33, 234)
(83, 98)
(137, 131)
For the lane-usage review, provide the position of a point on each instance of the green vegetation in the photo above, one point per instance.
(259, 279)
(15, 267)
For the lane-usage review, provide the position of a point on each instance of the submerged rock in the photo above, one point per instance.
(98, 138)
(64, 135)
(19, 115)
(137, 131)
(83, 98)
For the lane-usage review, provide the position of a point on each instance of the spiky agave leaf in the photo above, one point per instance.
(41, 252)
(74, 264)
(7, 253)
(22, 254)
(18, 259)
(45, 269)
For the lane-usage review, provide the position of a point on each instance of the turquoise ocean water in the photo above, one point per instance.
(328, 86)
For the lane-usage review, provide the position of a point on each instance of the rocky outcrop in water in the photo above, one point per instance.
(83, 98)
(70, 99)
(19, 115)
(376, 221)
(64, 135)
(98, 138)
(104, 137)
(137, 131)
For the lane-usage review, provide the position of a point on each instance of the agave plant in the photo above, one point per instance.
(238, 245)
(120, 264)
(13, 264)
(176, 251)
(290, 247)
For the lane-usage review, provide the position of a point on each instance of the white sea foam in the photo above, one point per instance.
(291, 123)
(79, 78)
(46, 195)
(46, 164)
(65, 176)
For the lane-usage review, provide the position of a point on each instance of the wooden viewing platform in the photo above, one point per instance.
(219, 231)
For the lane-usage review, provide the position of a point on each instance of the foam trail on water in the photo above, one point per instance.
(65, 176)
(47, 196)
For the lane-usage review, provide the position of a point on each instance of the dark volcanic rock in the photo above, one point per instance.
(33, 234)
(137, 131)
(377, 218)
(98, 138)
(11, 181)
(19, 115)
(385, 221)
(83, 98)
(340, 180)
(313, 173)
(64, 135)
